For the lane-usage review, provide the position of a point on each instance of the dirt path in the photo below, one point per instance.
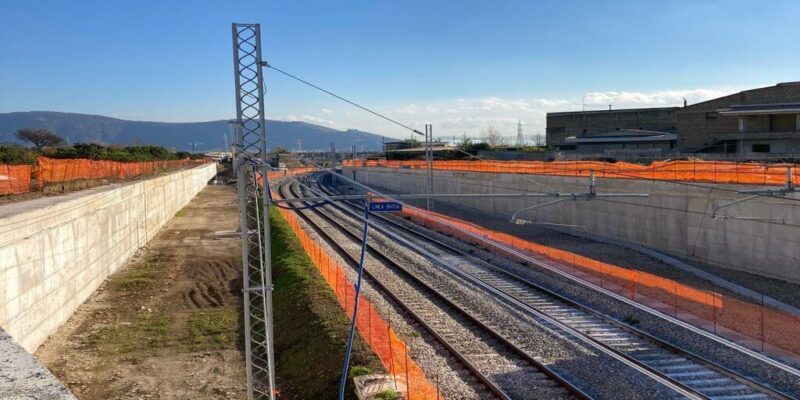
(167, 324)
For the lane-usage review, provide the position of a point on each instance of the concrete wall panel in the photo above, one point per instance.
(55, 251)
(674, 219)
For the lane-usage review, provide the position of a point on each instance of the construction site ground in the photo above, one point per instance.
(168, 324)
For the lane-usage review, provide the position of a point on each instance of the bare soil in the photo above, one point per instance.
(167, 325)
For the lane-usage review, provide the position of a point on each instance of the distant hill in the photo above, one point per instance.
(84, 128)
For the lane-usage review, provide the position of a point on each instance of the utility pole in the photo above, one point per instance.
(252, 187)
(333, 155)
(520, 138)
(429, 162)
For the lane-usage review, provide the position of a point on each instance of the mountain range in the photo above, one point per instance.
(198, 136)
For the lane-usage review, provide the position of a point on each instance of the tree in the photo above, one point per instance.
(277, 150)
(464, 144)
(538, 140)
(492, 137)
(40, 137)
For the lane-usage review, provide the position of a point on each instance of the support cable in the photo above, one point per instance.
(400, 124)
(510, 250)
(351, 335)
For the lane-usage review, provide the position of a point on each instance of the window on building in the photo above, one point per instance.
(797, 123)
(760, 148)
(782, 122)
(742, 124)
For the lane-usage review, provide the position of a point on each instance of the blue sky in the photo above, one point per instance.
(461, 65)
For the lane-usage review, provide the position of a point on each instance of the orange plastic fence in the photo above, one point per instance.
(15, 179)
(763, 324)
(692, 171)
(51, 170)
(391, 350)
(289, 172)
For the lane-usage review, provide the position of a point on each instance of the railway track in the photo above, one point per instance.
(703, 378)
(503, 369)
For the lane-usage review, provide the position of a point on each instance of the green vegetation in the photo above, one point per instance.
(389, 394)
(112, 153)
(140, 277)
(214, 329)
(13, 154)
(313, 325)
(359, 370)
(182, 212)
(16, 155)
(149, 330)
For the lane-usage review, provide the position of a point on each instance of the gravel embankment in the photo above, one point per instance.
(598, 374)
(784, 291)
(686, 339)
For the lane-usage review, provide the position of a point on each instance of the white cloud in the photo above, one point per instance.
(307, 118)
(653, 99)
(455, 116)
(327, 111)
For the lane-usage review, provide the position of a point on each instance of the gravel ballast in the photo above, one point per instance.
(601, 375)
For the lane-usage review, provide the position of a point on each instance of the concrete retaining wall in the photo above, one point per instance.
(55, 251)
(674, 219)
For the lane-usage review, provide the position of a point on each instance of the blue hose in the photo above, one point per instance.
(347, 352)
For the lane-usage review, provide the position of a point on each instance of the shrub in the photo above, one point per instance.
(359, 370)
(16, 155)
(113, 153)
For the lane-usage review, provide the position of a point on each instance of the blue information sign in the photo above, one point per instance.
(385, 206)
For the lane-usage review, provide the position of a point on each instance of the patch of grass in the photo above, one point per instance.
(389, 394)
(149, 330)
(213, 329)
(182, 212)
(313, 325)
(359, 370)
(140, 277)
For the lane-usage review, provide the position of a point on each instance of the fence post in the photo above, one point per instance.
(763, 337)
(675, 301)
(408, 381)
(714, 305)
(391, 346)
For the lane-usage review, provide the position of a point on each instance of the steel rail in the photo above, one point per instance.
(564, 196)
(640, 367)
(374, 252)
(607, 318)
(700, 331)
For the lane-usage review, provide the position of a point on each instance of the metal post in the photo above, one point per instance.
(429, 161)
(252, 185)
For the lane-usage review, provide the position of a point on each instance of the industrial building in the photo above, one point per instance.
(749, 123)
(569, 130)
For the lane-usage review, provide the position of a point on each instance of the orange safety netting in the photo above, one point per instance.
(276, 175)
(15, 179)
(391, 350)
(765, 325)
(289, 172)
(51, 170)
(690, 170)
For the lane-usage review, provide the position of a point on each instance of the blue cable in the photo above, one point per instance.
(346, 366)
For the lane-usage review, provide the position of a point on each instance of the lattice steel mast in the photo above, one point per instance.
(252, 186)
